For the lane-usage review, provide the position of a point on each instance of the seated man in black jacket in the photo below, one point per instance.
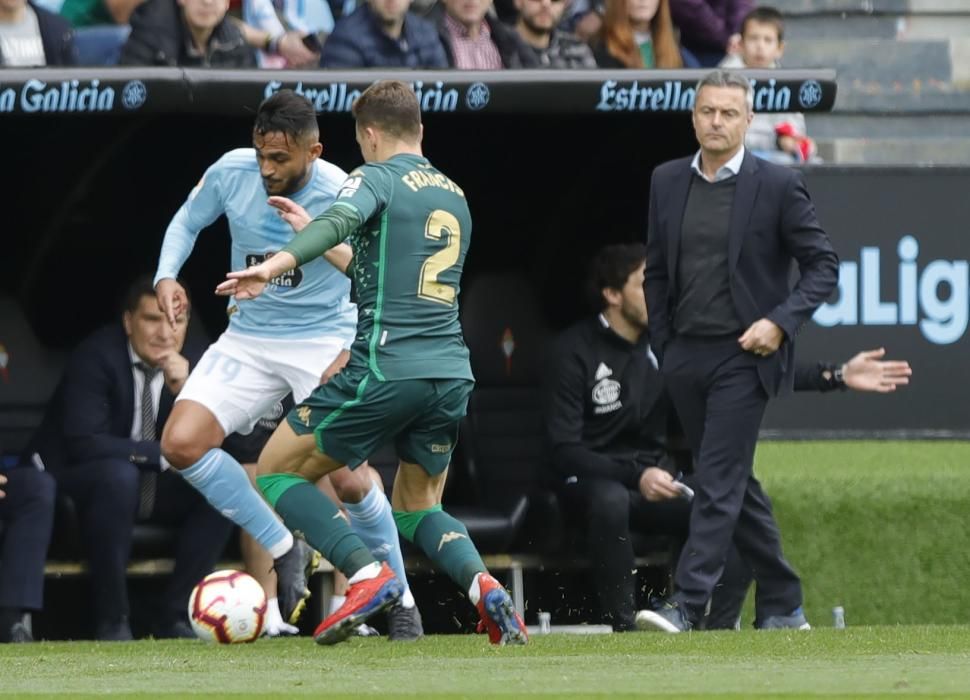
(606, 417)
(605, 414)
(185, 33)
(100, 440)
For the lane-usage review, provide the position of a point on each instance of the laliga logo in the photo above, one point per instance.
(944, 317)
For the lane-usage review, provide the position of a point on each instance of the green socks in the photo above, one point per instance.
(305, 510)
(445, 540)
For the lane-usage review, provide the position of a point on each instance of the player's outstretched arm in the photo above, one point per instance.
(250, 283)
(296, 216)
(340, 256)
(867, 371)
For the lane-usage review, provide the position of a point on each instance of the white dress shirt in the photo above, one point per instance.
(729, 169)
(157, 383)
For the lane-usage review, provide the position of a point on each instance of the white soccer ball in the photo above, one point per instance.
(228, 607)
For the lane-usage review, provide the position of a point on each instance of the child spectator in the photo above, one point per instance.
(780, 138)
(637, 34)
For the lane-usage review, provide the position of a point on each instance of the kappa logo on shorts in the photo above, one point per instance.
(440, 449)
(303, 413)
(450, 537)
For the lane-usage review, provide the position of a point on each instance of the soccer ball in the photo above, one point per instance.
(228, 607)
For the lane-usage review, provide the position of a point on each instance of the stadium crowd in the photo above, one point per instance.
(456, 34)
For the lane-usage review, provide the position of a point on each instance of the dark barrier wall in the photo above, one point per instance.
(167, 90)
(901, 235)
(90, 199)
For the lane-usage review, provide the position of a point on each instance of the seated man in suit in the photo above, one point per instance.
(100, 439)
(26, 518)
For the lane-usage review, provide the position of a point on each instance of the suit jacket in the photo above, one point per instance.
(57, 37)
(772, 222)
(92, 410)
(159, 37)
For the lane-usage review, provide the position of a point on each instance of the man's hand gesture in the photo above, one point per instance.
(291, 212)
(245, 284)
(175, 369)
(172, 299)
(867, 371)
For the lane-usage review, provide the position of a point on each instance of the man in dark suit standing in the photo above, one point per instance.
(724, 228)
(100, 439)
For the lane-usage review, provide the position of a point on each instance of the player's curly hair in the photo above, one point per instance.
(288, 113)
(610, 268)
(392, 107)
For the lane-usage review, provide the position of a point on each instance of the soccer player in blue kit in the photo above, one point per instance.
(278, 344)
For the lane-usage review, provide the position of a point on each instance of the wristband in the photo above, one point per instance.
(838, 378)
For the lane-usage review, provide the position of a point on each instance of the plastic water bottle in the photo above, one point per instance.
(838, 617)
(545, 620)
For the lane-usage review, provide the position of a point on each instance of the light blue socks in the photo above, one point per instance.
(226, 486)
(373, 522)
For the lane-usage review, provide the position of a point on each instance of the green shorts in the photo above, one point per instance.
(354, 414)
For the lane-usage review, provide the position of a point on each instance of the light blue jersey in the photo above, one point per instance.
(308, 302)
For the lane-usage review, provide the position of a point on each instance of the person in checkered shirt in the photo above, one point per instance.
(476, 40)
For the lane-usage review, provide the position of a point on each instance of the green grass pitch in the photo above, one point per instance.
(863, 661)
(882, 528)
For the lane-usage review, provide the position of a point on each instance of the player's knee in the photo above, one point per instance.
(350, 486)
(183, 445)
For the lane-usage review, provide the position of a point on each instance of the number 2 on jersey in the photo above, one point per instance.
(440, 224)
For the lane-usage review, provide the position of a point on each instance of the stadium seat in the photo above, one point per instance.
(29, 372)
(100, 45)
(502, 435)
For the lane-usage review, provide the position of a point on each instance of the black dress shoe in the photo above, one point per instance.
(113, 631)
(177, 629)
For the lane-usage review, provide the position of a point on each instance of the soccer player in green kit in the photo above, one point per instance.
(408, 378)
